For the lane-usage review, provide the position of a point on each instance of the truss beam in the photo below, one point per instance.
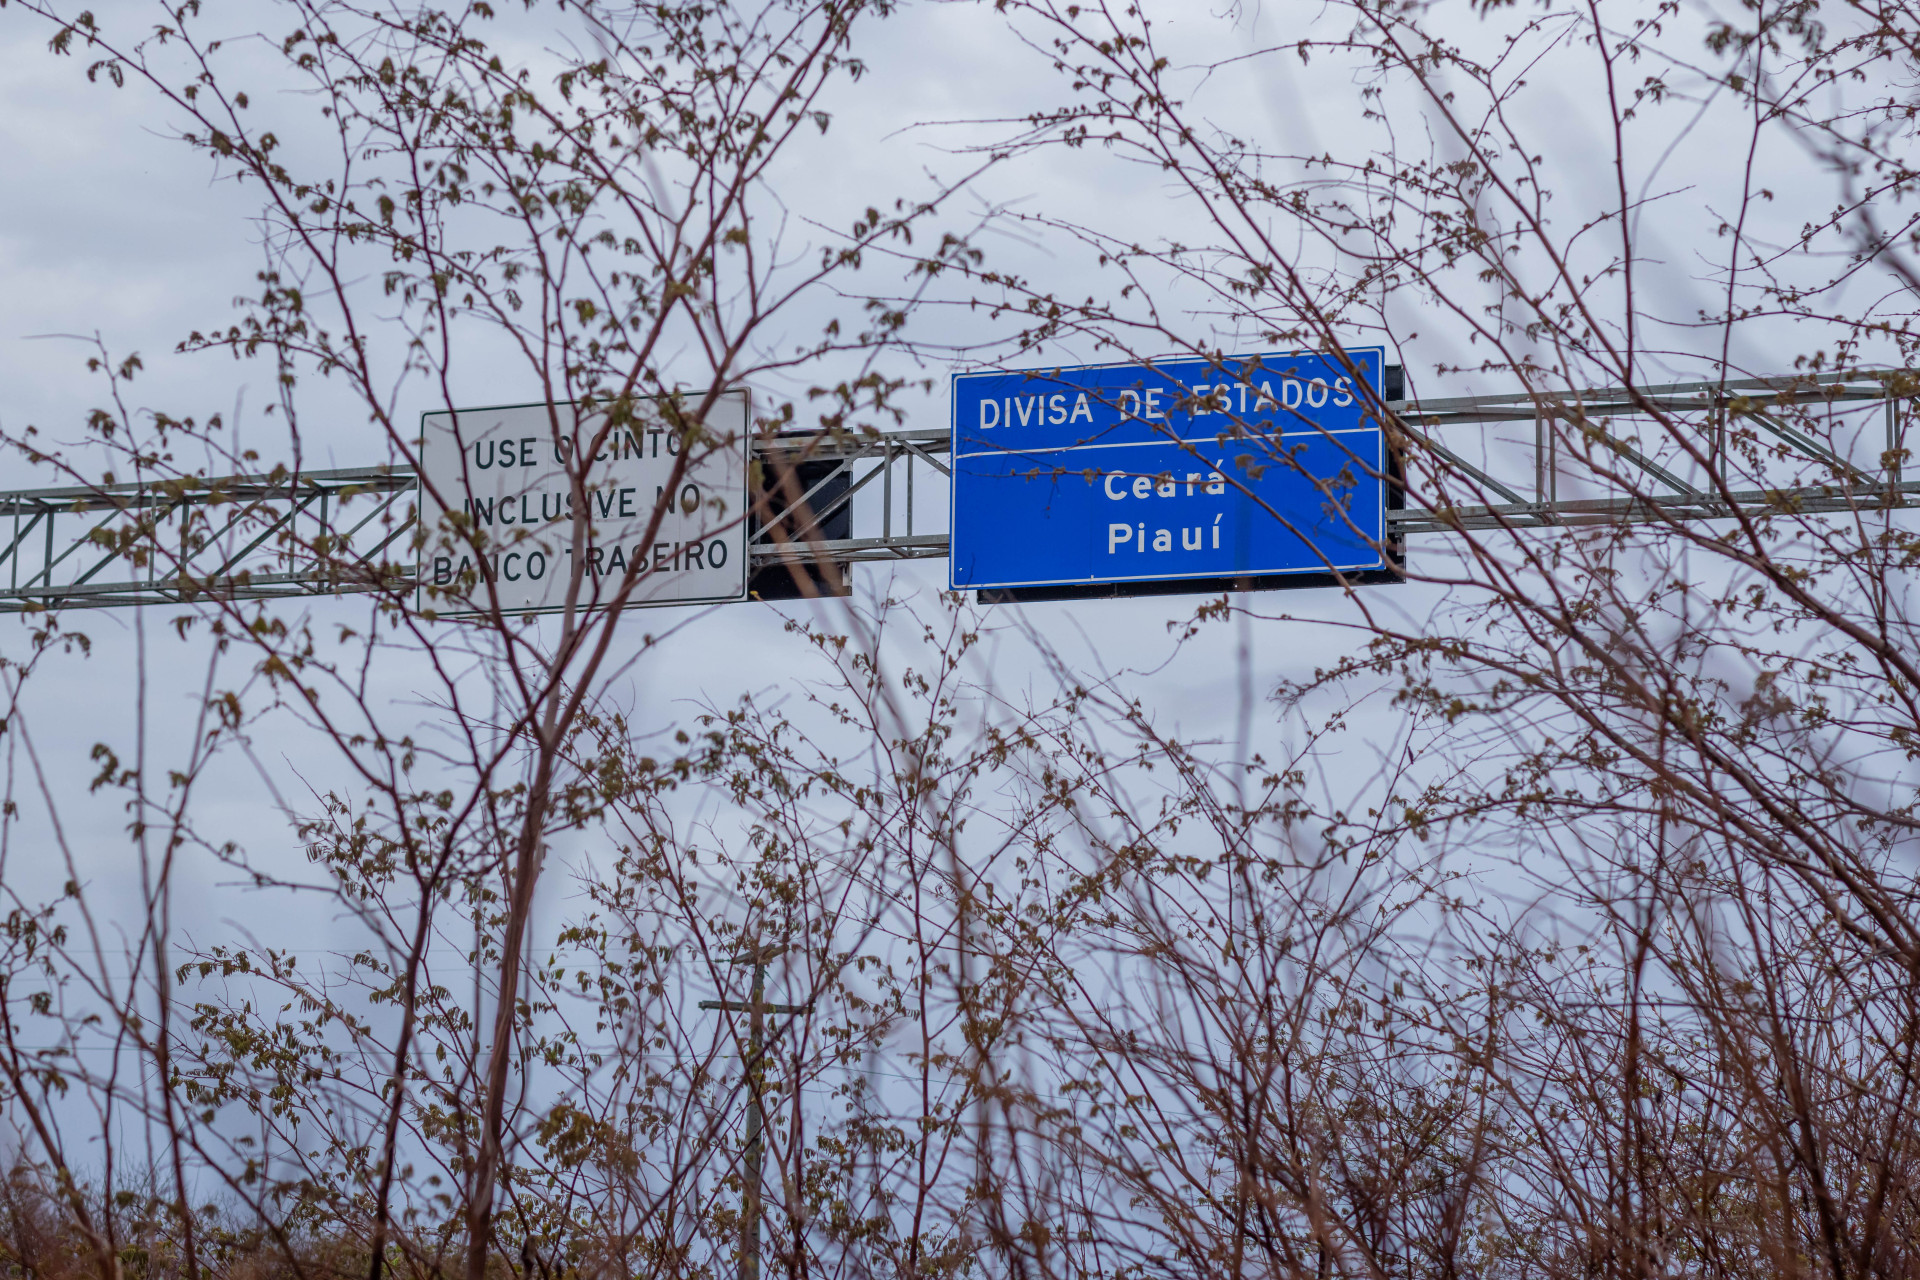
(62, 547)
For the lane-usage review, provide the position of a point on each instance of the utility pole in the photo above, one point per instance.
(756, 1008)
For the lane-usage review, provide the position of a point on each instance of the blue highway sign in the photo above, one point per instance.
(1176, 469)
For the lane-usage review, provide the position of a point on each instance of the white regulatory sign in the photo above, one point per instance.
(507, 470)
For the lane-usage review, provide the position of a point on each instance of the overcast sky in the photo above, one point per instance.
(109, 227)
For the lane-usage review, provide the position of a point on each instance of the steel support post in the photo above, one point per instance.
(753, 1071)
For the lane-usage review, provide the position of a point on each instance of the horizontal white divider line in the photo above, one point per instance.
(1208, 441)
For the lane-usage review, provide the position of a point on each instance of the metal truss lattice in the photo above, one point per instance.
(1833, 443)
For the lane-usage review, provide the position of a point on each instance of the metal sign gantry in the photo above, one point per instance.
(1672, 486)
(318, 533)
(75, 547)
